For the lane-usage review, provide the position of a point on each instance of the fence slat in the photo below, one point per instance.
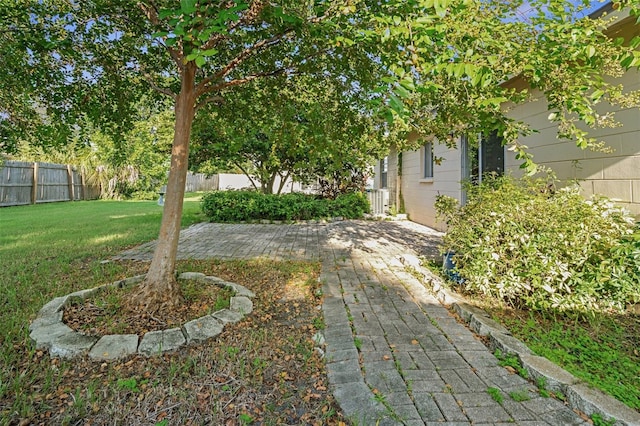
(30, 183)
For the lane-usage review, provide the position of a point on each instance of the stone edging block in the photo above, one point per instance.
(156, 342)
(241, 304)
(580, 396)
(49, 332)
(114, 346)
(202, 329)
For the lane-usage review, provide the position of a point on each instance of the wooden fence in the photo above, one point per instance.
(30, 183)
(200, 182)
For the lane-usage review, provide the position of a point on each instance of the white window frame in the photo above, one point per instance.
(426, 162)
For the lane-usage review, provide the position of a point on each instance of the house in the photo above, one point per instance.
(414, 180)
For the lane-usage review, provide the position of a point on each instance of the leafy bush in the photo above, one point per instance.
(236, 206)
(350, 205)
(145, 195)
(526, 243)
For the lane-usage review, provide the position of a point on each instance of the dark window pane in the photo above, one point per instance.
(492, 154)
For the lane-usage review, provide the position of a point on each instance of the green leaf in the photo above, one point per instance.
(470, 70)
(165, 13)
(188, 6)
(627, 61)
(407, 83)
(401, 92)
(597, 94)
(209, 52)
(591, 50)
(179, 30)
(441, 7)
(280, 13)
(200, 61)
(193, 56)
(396, 104)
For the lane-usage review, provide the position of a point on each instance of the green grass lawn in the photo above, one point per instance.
(41, 245)
(49, 250)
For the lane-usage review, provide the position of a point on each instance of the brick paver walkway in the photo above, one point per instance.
(394, 354)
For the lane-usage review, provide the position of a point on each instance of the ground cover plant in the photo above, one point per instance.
(532, 245)
(237, 206)
(263, 369)
(601, 350)
(560, 272)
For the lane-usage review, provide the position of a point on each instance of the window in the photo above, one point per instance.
(488, 157)
(492, 154)
(427, 160)
(384, 170)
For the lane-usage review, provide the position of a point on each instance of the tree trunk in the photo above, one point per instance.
(246, 173)
(160, 289)
(283, 181)
(268, 188)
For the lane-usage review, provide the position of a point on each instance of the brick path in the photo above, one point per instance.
(394, 354)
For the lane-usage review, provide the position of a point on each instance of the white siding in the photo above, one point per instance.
(419, 194)
(615, 175)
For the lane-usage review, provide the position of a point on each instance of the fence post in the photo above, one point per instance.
(34, 186)
(70, 182)
(83, 183)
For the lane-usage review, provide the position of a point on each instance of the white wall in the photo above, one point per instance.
(239, 181)
(420, 194)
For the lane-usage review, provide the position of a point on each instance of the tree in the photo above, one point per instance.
(445, 60)
(20, 115)
(450, 58)
(191, 51)
(133, 165)
(300, 127)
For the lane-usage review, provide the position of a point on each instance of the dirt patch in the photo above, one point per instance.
(108, 312)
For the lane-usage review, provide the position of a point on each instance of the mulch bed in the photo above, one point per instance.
(109, 312)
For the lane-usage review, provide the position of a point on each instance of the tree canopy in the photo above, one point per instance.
(450, 61)
(435, 66)
(300, 127)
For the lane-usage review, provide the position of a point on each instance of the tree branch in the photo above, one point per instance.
(262, 44)
(238, 81)
(154, 86)
(218, 99)
(152, 15)
(246, 173)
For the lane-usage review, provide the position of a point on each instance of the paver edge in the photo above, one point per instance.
(604, 405)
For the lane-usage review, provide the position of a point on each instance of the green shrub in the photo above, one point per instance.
(236, 206)
(145, 195)
(524, 242)
(230, 206)
(350, 206)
